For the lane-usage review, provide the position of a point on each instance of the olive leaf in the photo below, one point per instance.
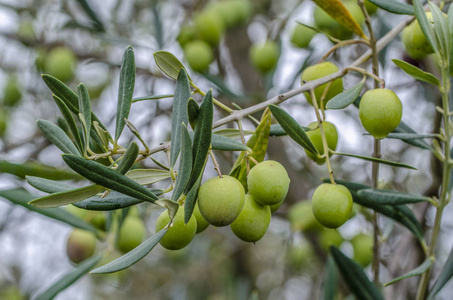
(57, 136)
(394, 6)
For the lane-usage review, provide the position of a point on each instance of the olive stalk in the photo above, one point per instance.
(446, 167)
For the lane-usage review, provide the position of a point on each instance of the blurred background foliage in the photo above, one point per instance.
(83, 41)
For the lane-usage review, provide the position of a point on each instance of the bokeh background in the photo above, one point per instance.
(287, 263)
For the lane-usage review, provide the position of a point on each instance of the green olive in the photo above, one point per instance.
(80, 245)
(209, 27)
(332, 204)
(132, 232)
(61, 63)
(318, 71)
(315, 137)
(264, 57)
(220, 200)
(302, 36)
(380, 112)
(199, 55)
(202, 224)
(179, 234)
(363, 248)
(252, 222)
(301, 217)
(268, 182)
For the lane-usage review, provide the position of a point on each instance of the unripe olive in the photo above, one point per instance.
(363, 249)
(302, 36)
(97, 219)
(242, 9)
(315, 137)
(61, 63)
(329, 237)
(12, 94)
(252, 222)
(264, 57)
(26, 32)
(198, 54)
(299, 256)
(332, 204)
(380, 112)
(78, 212)
(202, 224)
(81, 245)
(179, 234)
(414, 39)
(221, 199)
(301, 217)
(186, 34)
(275, 207)
(318, 71)
(268, 182)
(209, 27)
(132, 232)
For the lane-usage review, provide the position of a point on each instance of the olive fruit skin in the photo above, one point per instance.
(220, 200)
(370, 7)
(415, 42)
(315, 137)
(253, 221)
(198, 54)
(264, 57)
(81, 245)
(61, 63)
(332, 204)
(268, 182)
(209, 27)
(301, 217)
(202, 224)
(179, 234)
(4, 119)
(318, 71)
(302, 36)
(363, 249)
(131, 234)
(329, 237)
(380, 112)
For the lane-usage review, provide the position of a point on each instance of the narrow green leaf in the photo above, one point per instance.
(179, 114)
(330, 280)
(390, 197)
(108, 178)
(157, 97)
(70, 120)
(444, 276)
(148, 176)
(191, 199)
(22, 197)
(185, 164)
(292, 128)
(85, 111)
(355, 277)
(132, 256)
(425, 25)
(34, 168)
(68, 279)
(347, 97)
(378, 160)
(415, 272)
(441, 30)
(404, 128)
(67, 197)
(193, 110)
(277, 130)
(411, 136)
(67, 95)
(112, 201)
(232, 133)
(168, 64)
(224, 143)
(128, 159)
(57, 136)
(416, 73)
(258, 143)
(125, 91)
(450, 26)
(48, 186)
(97, 24)
(202, 138)
(394, 6)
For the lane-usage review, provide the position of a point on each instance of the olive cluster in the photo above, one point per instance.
(222, 201)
